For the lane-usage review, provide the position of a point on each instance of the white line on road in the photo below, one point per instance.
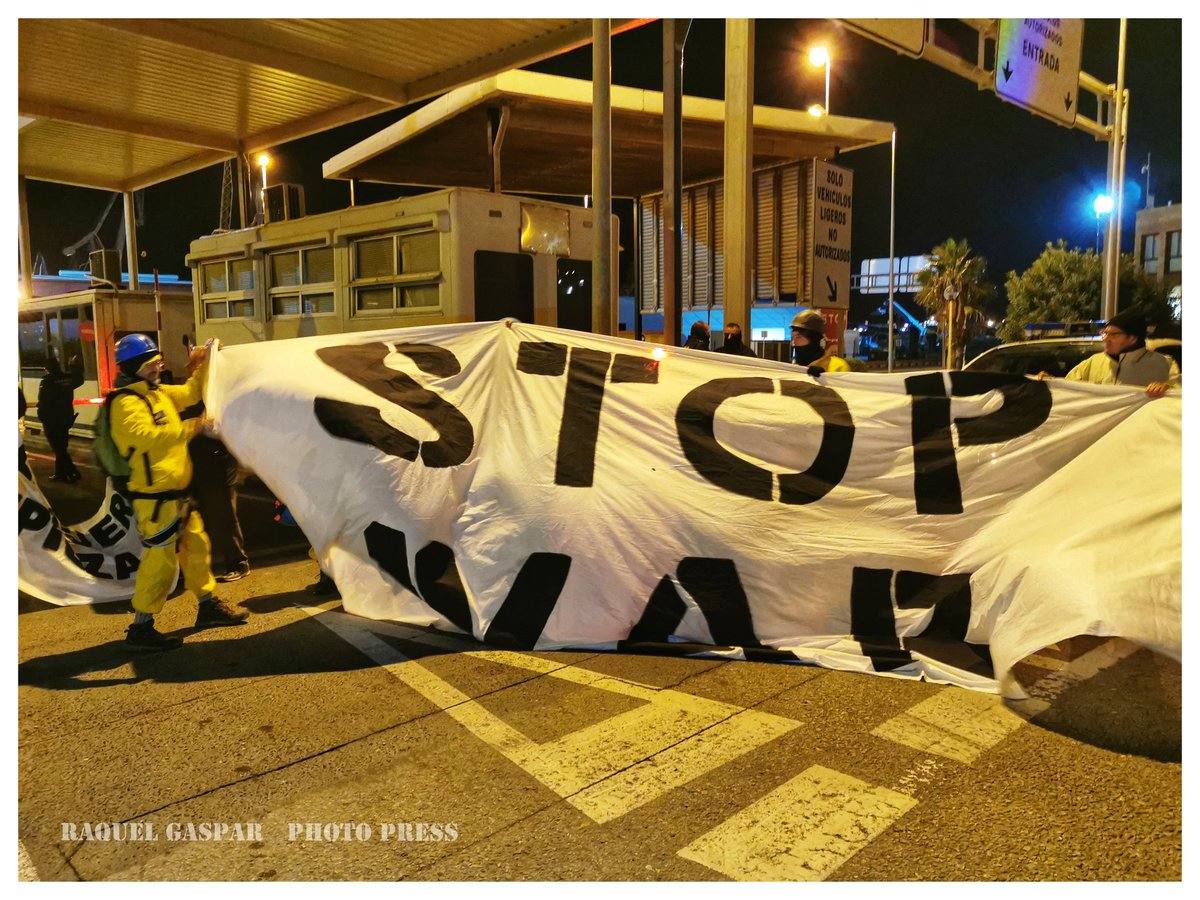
(26, 870)
(801, 831)
(960, 724)
(604, 770)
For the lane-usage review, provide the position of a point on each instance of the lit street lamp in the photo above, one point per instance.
(263, 160)
(819, 56)
(816, 110)
(1102, 206)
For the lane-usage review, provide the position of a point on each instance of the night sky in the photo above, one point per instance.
(968, 164)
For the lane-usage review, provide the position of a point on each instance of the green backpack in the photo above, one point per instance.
(108, 457)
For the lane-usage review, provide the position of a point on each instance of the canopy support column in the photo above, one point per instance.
(739, 156)
(672, 203)
(131, 247)
(602, 256)
(23, 238)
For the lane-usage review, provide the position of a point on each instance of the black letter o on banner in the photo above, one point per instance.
(833, 456)
(694, 421)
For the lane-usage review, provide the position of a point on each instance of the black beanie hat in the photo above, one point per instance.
(1130, 322)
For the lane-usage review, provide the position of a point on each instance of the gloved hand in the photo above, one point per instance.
(816, 371)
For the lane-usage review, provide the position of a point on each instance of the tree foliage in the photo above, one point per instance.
(1064, 285)
(955, 267)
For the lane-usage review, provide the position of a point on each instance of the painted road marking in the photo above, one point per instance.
(1045, 662)
(1083, 667)
(801, 831)
(955, 723)
(26, 870)
(961, 725)
(604, 770)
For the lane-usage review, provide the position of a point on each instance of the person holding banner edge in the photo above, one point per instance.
(808, 344)
(148, 429)
(1126, 359)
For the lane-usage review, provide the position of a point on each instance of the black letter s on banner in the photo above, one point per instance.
(365, 425)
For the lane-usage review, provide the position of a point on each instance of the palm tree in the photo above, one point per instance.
(954, 290)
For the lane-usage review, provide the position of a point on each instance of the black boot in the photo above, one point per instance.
(216, 612)
(144, 636)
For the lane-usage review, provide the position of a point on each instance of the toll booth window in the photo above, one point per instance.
(227, 289)
(575, 294)
(32, 341)
(1150, 254)
(301, 282)
(503, 286)
(90, 369)
(397, 271)
(72, 345)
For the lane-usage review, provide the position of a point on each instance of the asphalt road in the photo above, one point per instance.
(570, 765)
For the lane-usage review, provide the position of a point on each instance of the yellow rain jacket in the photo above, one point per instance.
(831, 363)
(154, 438)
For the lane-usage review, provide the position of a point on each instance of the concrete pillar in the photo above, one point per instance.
(602, 255)
(672, 202)
(243, 217)
(23, 239)
(739, 169)
(131, 247)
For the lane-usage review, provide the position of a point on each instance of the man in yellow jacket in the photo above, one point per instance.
(151, 424)
(808, 344)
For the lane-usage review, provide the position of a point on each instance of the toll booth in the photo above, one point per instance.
(87, 324)
(530, 132)
(457, 255)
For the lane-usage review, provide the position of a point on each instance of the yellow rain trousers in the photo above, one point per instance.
(169, 527)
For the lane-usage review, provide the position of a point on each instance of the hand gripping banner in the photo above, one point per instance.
(544, 488)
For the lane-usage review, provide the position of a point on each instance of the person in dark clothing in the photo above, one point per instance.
(22, 459)
(214, 488)
(698, 337)
(55, 409)
(733, 342)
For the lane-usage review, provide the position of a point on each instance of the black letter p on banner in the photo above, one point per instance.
(935, 469)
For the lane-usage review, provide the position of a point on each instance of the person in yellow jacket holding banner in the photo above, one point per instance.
(151, 424)
(808, 344)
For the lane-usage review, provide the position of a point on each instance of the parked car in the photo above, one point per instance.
(1057, 356)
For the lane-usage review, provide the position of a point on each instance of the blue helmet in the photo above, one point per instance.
(132, 346)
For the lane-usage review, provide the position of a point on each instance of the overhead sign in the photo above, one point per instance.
(901, 35)
(831, 202)
(1037, 65)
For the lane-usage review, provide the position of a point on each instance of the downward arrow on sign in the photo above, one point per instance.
(1067, 101)
(832, 289)
(1007, 70)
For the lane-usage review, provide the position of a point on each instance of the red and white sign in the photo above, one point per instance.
(87, 332)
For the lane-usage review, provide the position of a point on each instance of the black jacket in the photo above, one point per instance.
(55, 395)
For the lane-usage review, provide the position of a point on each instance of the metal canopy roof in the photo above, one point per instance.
(547, 142)
(120, 104)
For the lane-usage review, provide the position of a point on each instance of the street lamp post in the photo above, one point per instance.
(1102, 206)
(819, 56)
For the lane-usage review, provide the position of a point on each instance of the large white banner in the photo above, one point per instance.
(90, 562)
(544, 488)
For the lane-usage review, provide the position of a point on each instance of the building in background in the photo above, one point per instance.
(1158, 245)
